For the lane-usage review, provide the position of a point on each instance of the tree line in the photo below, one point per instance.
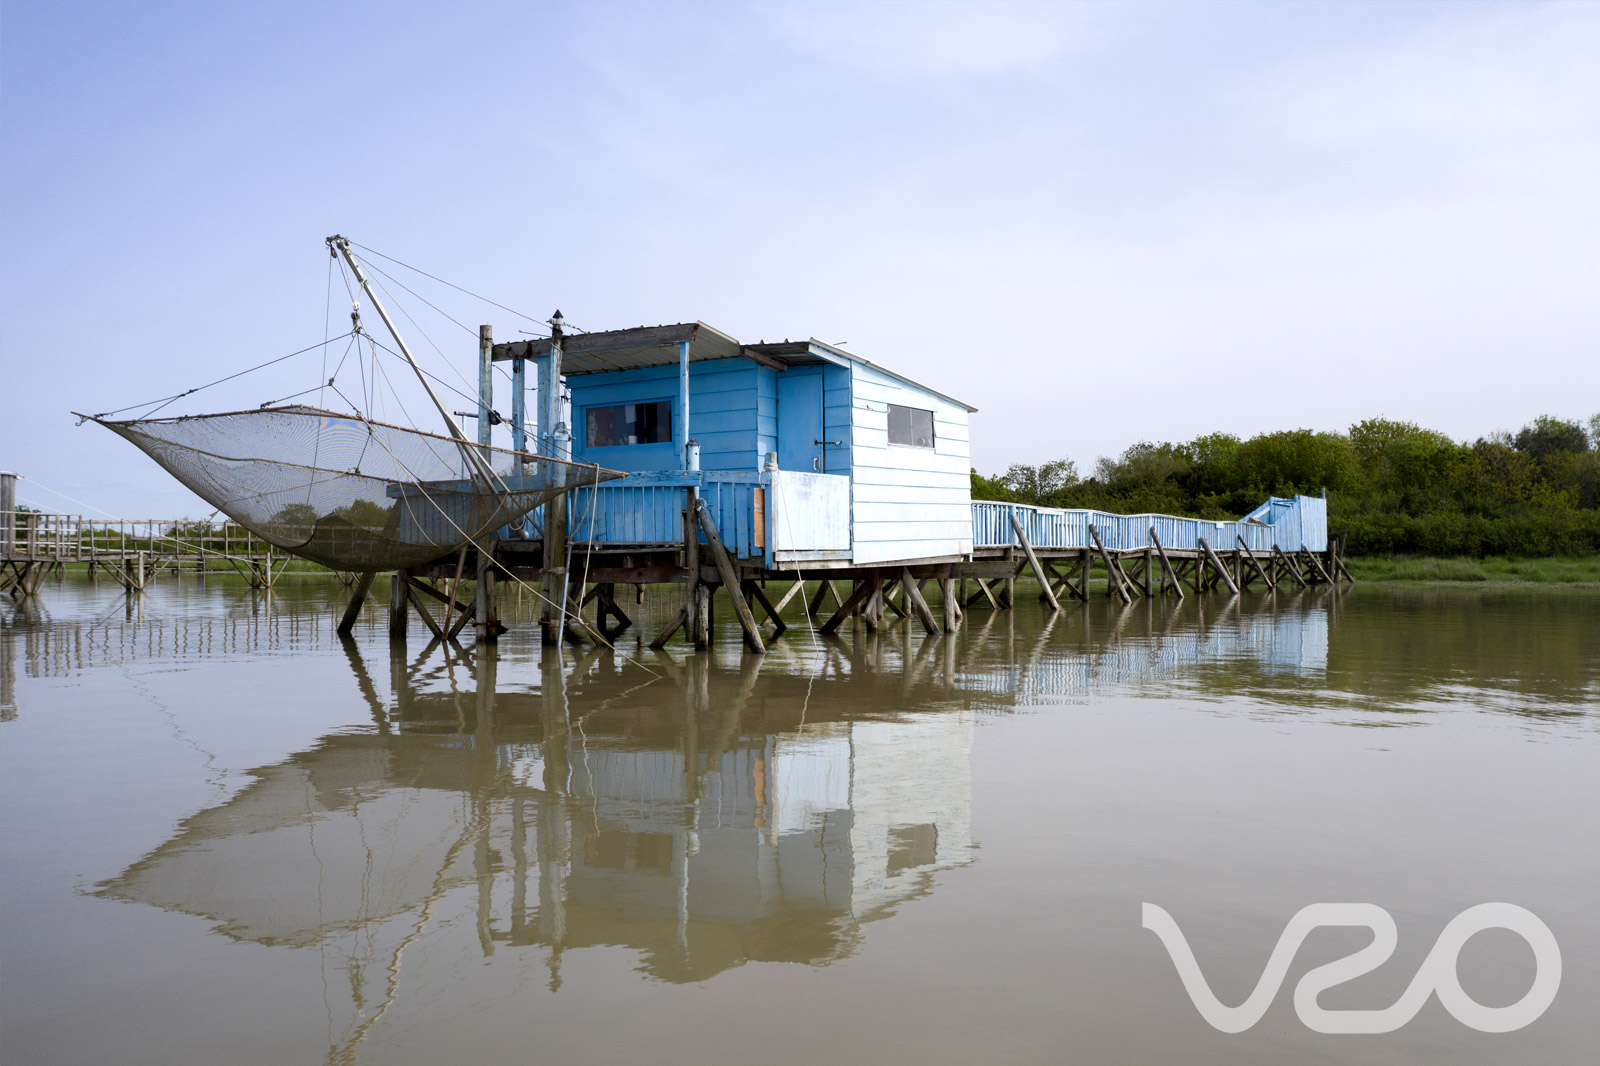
(1393, 487)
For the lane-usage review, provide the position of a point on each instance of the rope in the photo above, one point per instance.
(452, 284)
(169, 399)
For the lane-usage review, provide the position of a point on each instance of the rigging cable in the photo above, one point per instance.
(452, 284)
(169, 399)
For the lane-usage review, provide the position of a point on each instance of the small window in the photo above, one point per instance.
(628, 423)
(910, 425)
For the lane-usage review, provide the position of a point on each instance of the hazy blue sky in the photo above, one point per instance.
(1097, 223)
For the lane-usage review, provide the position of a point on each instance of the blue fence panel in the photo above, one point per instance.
(648, 510)
(1289, 525)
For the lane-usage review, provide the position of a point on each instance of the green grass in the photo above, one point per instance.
(1561, 570)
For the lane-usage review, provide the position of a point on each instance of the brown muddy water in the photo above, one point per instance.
(227, 837)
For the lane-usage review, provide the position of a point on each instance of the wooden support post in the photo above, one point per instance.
(1166, 564)
(700, 616)
(1127, 582)
(455, 588)
(422, 609)
(1316, 565)
(857, 596)
(947, 592)
(886, 600)
(397, 606)
(608, 598)
(691, 568)
(730, 581)
(822, 592)
(872, 610)
(917, 603)
(797, 589)
(554, 566)
(678, 621)
(1248, 554)
(753, 593)
(1113, 581)
(358, 596)
(1221, 570)
(1288, 564)
(461, 623)
(485, 606)
(1033, 561)
(984, 592)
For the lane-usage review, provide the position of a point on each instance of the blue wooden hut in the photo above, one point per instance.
(805, 453)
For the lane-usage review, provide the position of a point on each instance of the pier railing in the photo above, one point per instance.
(68, 538)
(1287, 524)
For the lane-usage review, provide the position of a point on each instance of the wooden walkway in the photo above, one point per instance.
(34, 545)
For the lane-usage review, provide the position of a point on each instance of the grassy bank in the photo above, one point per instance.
(1550, 570)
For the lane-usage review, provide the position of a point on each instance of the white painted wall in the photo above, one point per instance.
(906, 502)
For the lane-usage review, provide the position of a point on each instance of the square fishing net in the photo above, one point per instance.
(348, 492)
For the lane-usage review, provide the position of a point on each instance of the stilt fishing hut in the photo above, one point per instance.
(801, 461)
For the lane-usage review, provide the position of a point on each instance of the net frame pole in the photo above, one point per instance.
(342, 245)
(485, 385)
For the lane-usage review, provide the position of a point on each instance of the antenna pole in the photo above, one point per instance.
(342, 246)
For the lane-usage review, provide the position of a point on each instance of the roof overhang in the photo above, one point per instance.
(627, 349)
(648, 346)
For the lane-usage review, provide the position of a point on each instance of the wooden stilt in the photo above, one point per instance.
(461, 623)
(455, 588)
(857, 597)
(797, 589)
(358, 596)
(1113, 581)
(678, 621)
(984, 593)
(730, 581)
(815, 608)
(918, 604)
(1166, 564)
(947, 592)
(422, 609)
(1248, 554)
(692, 592)
(397, 606)
(1033, 561)
(1316, 565)
(1288, 564)
(1221, 570)
(753, 593)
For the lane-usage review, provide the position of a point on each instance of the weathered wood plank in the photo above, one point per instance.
(1166, 565)
(1033, 561)
(1112, 580)
(858, 595)
(1216, 563)
(920, 605)
(730, 581)
(358, 597)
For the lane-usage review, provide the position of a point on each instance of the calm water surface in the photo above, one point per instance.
(230, 837)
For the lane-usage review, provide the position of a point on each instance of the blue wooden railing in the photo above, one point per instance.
(1288, 524)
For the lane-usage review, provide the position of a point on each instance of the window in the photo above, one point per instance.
(628, 423)
(910, 425)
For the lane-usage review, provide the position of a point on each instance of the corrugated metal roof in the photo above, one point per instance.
(642, 346)
(813, 345)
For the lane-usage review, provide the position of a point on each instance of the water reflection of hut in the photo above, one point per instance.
(701, 844)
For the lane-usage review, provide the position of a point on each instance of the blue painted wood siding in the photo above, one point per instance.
(732, 413)
(648, 510)
(906, 502)
(1289, 525)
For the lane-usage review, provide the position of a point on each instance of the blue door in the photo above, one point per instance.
(800, 419)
